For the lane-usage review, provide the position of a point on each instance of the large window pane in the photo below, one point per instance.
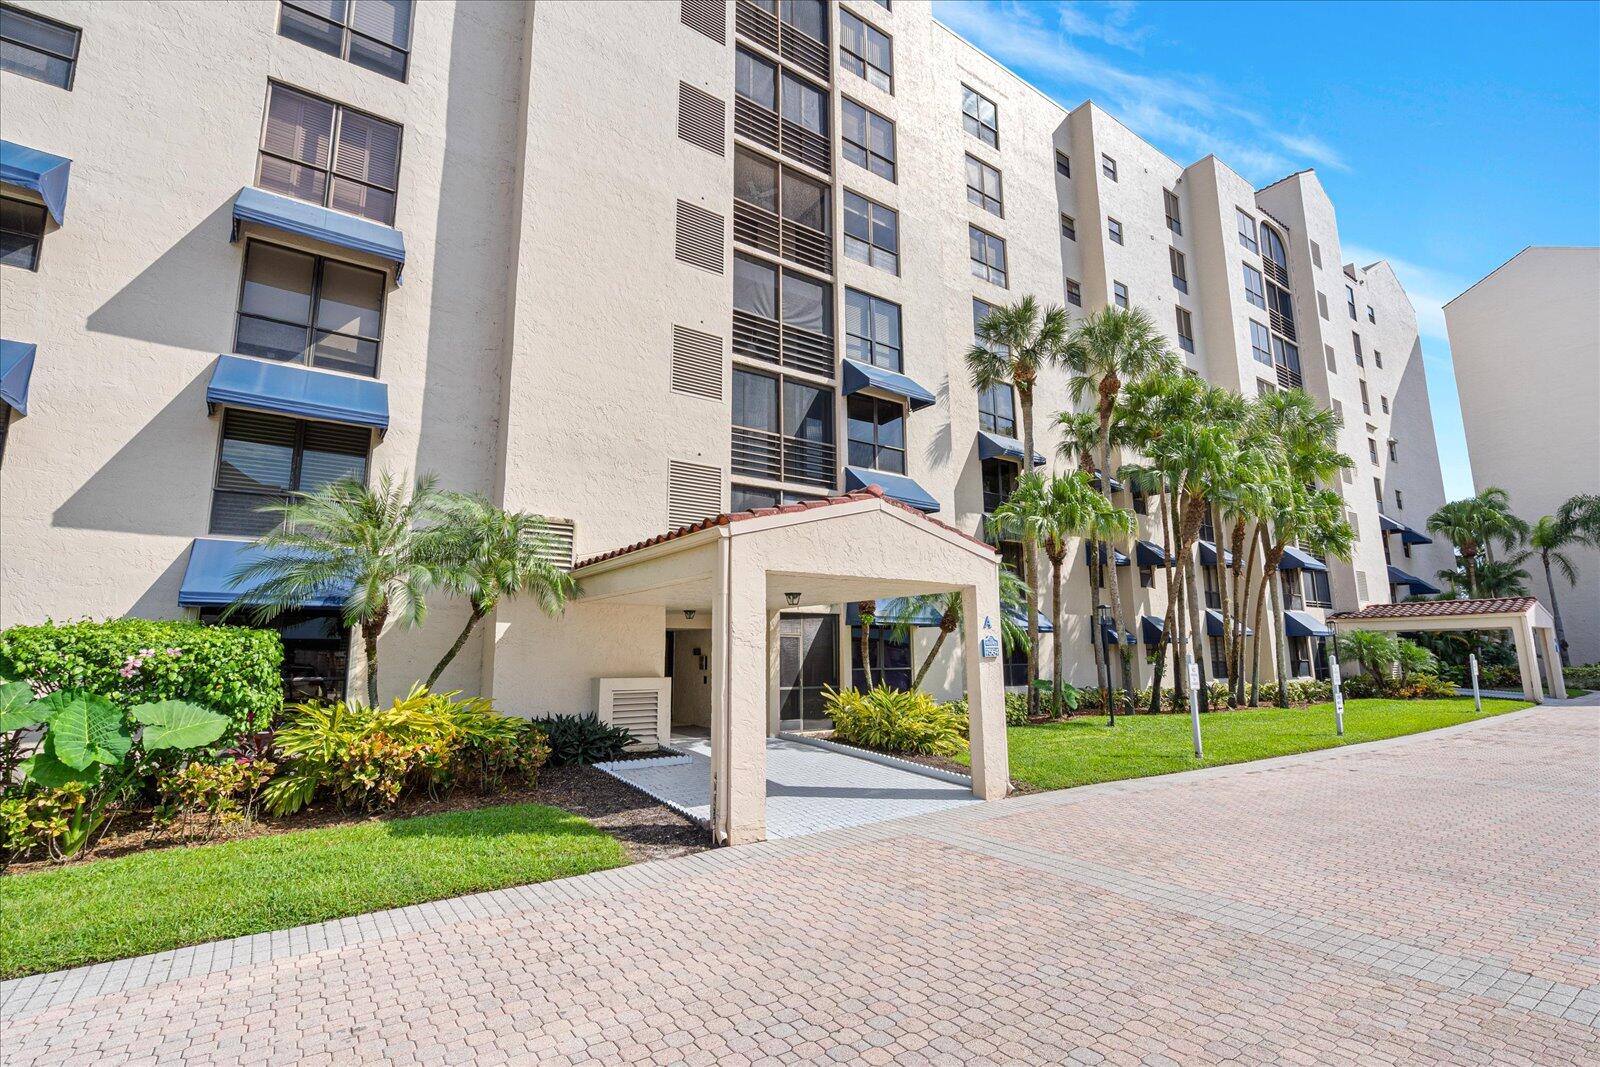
(807, 304)
(350, 299)
(369, 150)
(755, 181)
(299, 127)
(257, 452)
(755, 401)
(807, 412)
(270, 340)
(36, 47)
(755, 287)
(805, 202)
(755, 79)
(388, 21)
(805, 105)
(808, 16)
(277, 283)
(333, 453)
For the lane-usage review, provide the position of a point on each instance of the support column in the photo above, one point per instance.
(740, 634)
(1552, 661)
(1527, 661)
(986, 705)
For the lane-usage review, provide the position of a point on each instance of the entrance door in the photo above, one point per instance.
(808, 659)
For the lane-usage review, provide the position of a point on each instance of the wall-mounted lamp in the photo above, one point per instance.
(792, 598)
(688, 613)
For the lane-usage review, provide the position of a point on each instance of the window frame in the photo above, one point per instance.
(1256, 297)
(1350, 302)
(993, 416)
(36, 239)
(876, 444)
(977, 119)
(1069, 227)
(1063, 164)
(872, 343)
(1108, 166)
(1114, 230)
(1120, 295)
(1074, 292)
(339, 111)
(1185, 323)
(987, 274)
(71, 61)
(1174, 211)
(1180, 269)
(1249, 241)
(349, 30)
(867, 29)
(866, 149)
(977, 195)
(1259, 332)
(319, 262)
(873, 248)
(296, 466)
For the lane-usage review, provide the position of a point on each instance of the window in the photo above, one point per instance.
(1350, 301)
(38, 48)
(264, 459)
(375, 34)
(997, 410)
(999, 482)
(1377, 359)
(983, 186)
(1372, 450)
(1069, 227)
(1185, 330)
(1180, 273)
(1074, 293)
(1174, 219)
(1260, 343)
(1254, 290)
(1338, 411)
(1322, 304)
(1147, 577)
(1383, 402)
(327, 154)
(889, 654)
(1247, 231)
(798, 300)
(1263, 387)
(1063, 164)
(1394, 450)
(1319, 592)
(877, 433)
(1327, 352)
(1377, 492)
(988, 254)
(802, 203)
(21, 233)
(1108, 166)
(866, 51)
(301, 308)
(1114, 230)
(868, 138)
(1355, 339)
(1316, 254)
(979, 117)
(872, 329)
(751, 497)
(871, 233)
(1372, 316)
(1399, 500)
(1287, 356)
(1366, 406)
(806, 412)
(1119, 295)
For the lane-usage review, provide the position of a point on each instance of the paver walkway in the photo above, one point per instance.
(1426, 899)
(809, 789)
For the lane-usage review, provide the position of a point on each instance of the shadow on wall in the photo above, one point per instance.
(160, 455)
(160, 598)
(198, 273)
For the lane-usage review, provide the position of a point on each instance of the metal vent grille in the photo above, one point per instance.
(694, 492)
(558, 540)
(637, 711)
(696, 363)
(1361, 587)
(709, 17)
(700, 237)
(702, 119)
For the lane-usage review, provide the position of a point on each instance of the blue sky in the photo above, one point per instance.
(1449, 136)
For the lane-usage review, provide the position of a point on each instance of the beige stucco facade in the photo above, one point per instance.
(1526, 345)
(528, 353)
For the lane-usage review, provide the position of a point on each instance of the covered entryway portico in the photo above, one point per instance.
(745, 569)
(1532, 630)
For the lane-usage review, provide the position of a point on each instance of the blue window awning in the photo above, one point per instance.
(321, 224)
(298, 391)
(1407, 534)
(1150, 626)
(1214, 624)
(16, 369)
(895, 486)
(1108, 636)
(1388, 525)
(1094, 481)
(993, 446)
(1295, 559)
(1088, 555)
(1418, 586)
(1021, 620)
(38, 172)
(1303, 624)
(1208, 555)
(1149, 554)
(894, 610)
(859, 376)
(213, 562)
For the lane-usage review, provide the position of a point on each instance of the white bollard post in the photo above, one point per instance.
(1338, 692)
(1194, 706)
(1477, 696)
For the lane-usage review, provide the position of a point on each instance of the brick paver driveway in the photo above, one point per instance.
(1430, 899)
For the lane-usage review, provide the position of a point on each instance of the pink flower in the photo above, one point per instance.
(174, 651)
(128, 672)
(147, 652)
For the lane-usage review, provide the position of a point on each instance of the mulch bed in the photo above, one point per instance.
(646, 829)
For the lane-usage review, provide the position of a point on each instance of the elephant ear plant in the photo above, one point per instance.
(89, 756)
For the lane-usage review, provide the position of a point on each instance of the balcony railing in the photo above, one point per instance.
(799, 48)
(1284, 324)
(806, 52)
(763, 126)
(758, 123)
(806, 146)
(763, 454)
(759, 228)
(1270, 268)
(758, 25)
(807, 247)
(788, 346)
(1288, 377)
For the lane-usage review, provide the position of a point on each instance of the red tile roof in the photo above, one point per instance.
(871, 492)
(1432, 609)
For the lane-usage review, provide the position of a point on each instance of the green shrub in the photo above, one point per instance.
(234, 670)
(1016, 709)
(892, 720)
(1584, 677)
(583, 739)
(1309, 691)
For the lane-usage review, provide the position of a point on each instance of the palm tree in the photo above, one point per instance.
(1372, 651)
(1111, 348)
(488, 555)
(1412, 658)
(1472, 525)
(346, 533)
(1582, 514)
(1550, 537)
(1014, 344)
(1503, 577)
(902, 615)
(1078, 433)
(867, 610)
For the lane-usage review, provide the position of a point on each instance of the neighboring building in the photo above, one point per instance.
(660, 261)
(1526, 345)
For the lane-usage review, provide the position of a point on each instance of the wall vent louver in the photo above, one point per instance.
(709, 17)
(557, 548)
(702, 119)
(694, 492)
(642, 706)
(696, 363)
(700, 237)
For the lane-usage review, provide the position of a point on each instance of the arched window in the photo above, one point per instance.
(1272, 250)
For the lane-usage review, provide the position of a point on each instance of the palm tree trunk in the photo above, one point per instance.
(1111, 567)
(1198, 648)
(867, 610)
(1471, 563)
(1241, 602)
(1030, 565)
(1224, 591)
(1555, 610)
(947, 626)
(1102, 658)
(1280, 635)
(473, 618)
(370, 629)
(1261, 597)
(1175, 601)
(1160, 660)
(1055, 625)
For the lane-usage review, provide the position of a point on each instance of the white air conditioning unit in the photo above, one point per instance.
(643, 706)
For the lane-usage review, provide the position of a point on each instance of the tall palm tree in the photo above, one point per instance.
(1077, 436)
(1582, 514)
(487, 555)
(1014, 344)
(1472, 524)
(901, 617)
(1550, 538)
(867, 610)
(372, 539)
(1107, 350)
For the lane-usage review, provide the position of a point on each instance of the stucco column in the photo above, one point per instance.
(741, 633)
(1527, 662)
(1552, 661)
(986, 692)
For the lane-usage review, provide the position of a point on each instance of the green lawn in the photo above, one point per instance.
(151, 901)
(1085, 750)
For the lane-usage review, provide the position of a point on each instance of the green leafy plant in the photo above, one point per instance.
(224, 791)
(893, 720)
(583, 739)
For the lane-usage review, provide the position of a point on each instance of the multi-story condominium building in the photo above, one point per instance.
(628, 265)
(1526, 344)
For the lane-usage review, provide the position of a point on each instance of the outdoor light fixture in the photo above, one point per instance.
(688, 613)
(792, 598)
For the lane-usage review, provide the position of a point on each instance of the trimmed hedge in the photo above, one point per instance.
(234, 670)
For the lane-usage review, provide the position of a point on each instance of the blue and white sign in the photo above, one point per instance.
(990, 647)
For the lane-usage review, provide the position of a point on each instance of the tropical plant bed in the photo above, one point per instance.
(1084, 750)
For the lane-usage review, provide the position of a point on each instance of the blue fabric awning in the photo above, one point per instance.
(1088, 555)
(1208, 555)
(299, 391)
(1108, 636)
(39, 172)
(1022, 620)
(1094, 482)
(1151, 626)
(893, 610)
(895, 486)
(1302, 624)
(208, 579)
(1149, 554)
(321, 224)
(16, 369)
(1295, 559)
(859, 376)
(993, 446)
(1388, 525)
(1400, 577)
(1407, 534)
(1214, 624)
